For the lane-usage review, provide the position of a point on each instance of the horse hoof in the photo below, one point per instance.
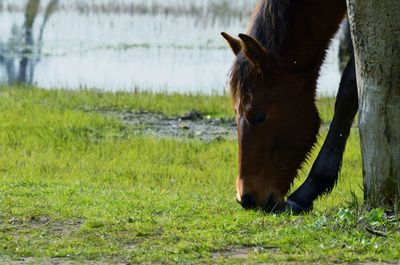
(295, 208)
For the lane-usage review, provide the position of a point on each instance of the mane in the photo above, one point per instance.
(268, 25)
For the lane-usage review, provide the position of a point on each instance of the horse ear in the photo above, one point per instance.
(235, 44)
(254, 51)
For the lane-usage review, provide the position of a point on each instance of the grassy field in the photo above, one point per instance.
(78, 186)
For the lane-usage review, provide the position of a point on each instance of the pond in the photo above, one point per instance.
(152, 45)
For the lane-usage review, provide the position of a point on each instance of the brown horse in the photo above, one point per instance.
(273, 88)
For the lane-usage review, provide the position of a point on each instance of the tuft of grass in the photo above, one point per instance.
(77, 186)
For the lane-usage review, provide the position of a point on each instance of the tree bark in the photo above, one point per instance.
(375, 27)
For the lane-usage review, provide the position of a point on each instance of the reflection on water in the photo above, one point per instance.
(159, 45)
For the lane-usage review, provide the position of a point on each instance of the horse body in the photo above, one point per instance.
(273, 86)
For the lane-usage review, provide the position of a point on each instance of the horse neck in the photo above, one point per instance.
(311, 24)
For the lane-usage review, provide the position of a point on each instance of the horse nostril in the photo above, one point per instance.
(248, 202)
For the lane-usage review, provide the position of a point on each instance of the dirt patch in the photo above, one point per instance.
(376, 263)
(58, 261)
(242, 252)
(60, 228)
(234, 253)
(66, 228)
(192, 125)
(37, 221)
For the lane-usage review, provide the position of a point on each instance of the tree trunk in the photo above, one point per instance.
(375, 27)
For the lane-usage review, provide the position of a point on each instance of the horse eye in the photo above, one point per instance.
(258, 118)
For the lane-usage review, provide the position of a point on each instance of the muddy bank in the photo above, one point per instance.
(193, 125)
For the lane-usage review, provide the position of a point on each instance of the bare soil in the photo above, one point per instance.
(192, 125)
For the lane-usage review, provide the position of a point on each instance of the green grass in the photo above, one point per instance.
(89, 100)
(77, 186)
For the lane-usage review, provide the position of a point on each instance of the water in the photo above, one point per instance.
(157, 45)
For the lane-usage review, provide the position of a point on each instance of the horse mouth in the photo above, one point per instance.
(274, 205)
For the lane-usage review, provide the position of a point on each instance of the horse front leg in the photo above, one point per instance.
(324, 173)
